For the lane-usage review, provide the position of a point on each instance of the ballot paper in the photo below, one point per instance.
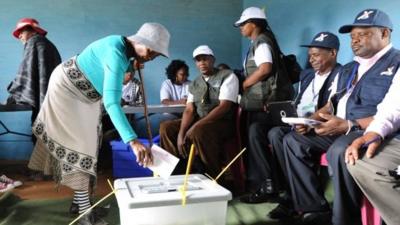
(163, 162)
(296, 120)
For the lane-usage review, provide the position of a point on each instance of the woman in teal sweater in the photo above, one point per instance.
(68, 126)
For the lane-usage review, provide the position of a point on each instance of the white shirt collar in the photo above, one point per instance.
(322, 75)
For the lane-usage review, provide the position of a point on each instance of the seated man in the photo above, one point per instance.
(208, 119)
(370, 169)
(314, 91)
(353, 106)
(131, 91)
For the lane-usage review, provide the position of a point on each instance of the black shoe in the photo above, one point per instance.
(316, 218)
(100, 211)
(74, 209)
(91, 219)
(259, 197)
(266, 193)
(282, 212)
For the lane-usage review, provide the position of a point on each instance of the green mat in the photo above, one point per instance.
(45, 212)
(14, 211)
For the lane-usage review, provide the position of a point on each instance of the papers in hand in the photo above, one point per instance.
(304, 121)
(163, 162)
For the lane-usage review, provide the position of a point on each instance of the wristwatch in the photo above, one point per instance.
(355, 125)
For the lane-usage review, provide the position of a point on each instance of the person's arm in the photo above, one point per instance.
(263, 60)
(385, 122)
(172, 102)
(260, 74)
(114, 64)
(334, 125)
(227, 97)
(187, 120)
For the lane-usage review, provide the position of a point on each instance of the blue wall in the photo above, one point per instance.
(295, 22)
(73, 24)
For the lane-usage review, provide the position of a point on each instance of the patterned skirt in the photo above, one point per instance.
(68, 128)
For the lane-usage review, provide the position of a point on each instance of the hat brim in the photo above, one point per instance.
(239, 22)
(317, 46)
(18, 31)
(150, 45)
(347, 28)
(194, 57)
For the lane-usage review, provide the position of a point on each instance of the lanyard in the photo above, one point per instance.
(351, 78)
(176, 93)
(313, 90)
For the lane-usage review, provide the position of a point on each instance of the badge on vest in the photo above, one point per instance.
(388, 72)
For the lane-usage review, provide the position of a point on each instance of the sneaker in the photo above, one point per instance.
(6, 180)
(5, 187)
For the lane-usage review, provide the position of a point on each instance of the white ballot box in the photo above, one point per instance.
(155, 201)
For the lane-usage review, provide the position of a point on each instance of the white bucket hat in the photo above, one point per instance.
(250, 13)
(202, 50)
(154, 36)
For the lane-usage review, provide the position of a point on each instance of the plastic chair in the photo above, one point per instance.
(232, 148)
(369, 215)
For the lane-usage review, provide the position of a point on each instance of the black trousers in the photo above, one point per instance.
(260, 162)
(275, 137)
(347, 197)
(302, 157)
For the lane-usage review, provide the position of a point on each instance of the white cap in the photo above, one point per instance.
(250, 13)
(202, 50)
(154, 36)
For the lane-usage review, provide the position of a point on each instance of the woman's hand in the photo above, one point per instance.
(143, 154)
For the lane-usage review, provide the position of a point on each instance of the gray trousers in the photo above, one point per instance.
(372, 177)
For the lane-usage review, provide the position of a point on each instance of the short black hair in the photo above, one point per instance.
(173, 68)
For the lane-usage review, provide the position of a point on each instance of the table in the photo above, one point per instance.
(13, 108)
(154, 109)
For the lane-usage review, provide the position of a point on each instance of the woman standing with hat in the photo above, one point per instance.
(265, 81)
(68, 126)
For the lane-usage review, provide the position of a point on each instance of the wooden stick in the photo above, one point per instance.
(88, 210)
(146, 112)
(208, 175)
(188, 168)
(229, 164)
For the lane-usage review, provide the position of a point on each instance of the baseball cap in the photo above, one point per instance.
(324, 39)
(202, 50)
(369, 18)
(250, 13)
